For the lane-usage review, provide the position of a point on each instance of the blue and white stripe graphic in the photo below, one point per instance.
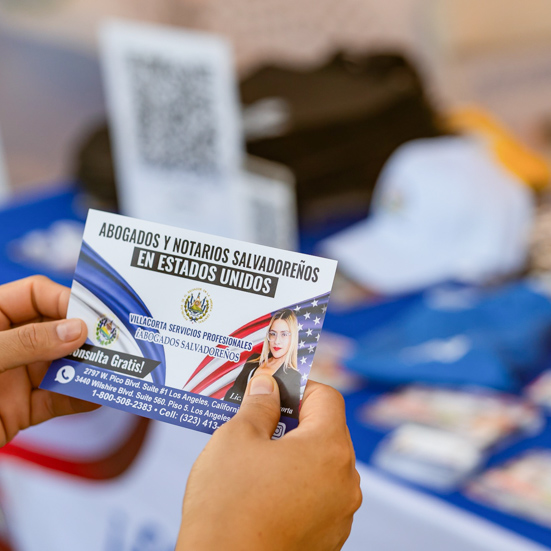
(99, 290)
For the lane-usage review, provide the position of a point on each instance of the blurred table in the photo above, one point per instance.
(399, 515)
(394, 515)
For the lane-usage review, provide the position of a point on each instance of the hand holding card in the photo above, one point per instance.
(32, 333)
(282, 495)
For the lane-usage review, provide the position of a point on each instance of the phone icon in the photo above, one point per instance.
(65, 374)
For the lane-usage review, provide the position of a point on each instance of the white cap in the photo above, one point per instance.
(444, 209)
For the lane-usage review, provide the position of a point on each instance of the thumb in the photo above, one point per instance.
(261, 407)
(40, 342)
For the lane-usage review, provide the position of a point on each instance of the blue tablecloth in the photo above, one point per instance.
(35, 211)
(366, 440)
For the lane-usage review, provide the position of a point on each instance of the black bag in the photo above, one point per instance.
(346, 118)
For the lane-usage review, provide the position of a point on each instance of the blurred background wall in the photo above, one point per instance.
(494, 53)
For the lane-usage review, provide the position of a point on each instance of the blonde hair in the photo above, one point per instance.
(290, 359)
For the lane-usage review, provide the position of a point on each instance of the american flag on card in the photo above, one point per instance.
(214, 376)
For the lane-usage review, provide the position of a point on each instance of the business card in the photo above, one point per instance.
(180, 321)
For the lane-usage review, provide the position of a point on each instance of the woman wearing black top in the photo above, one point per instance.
(278, 359)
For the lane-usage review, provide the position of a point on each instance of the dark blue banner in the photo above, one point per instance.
(158, 402)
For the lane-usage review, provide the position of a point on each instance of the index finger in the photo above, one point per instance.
(34, 297)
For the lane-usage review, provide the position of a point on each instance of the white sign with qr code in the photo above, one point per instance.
(175, 123)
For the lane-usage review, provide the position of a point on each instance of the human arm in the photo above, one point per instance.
(32, 333)
(248, 492)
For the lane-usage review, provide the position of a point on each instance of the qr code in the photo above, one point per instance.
(174, 114)
(279, 431)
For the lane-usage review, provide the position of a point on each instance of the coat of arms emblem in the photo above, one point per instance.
(106, 331)
(196, 305)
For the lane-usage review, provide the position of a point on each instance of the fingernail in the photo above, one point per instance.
(262, 385)
(69, 330)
